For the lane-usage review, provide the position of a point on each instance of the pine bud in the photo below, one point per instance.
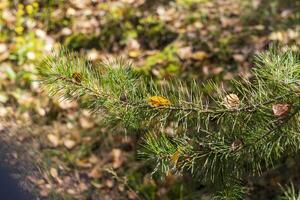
(77, 77)
(280, 110)
(236, 144)
(123, 97)
(231, 101)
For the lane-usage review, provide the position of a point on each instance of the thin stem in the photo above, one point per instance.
(249, 109)
(281, 122)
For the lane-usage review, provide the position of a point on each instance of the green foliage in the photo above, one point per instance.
(119, 27)
(153, 33)
(147, 190)
(268, 10)
(165, 62)
(190, 2)
(80, 40)
(122, 24)
(231, 192)
(290, 193)
(24, 46)
(27, 46)
(220, 139)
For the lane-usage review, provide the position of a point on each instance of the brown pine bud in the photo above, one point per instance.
(123, 97)
(77, 77)
(236, 144)
(231, 101)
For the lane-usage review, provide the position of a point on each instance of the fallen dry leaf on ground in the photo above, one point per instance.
(117, 157)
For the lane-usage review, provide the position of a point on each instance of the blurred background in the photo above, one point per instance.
(62, 152)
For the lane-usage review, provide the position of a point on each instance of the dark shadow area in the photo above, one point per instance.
(9, 188)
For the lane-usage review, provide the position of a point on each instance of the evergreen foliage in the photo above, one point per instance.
(290, 193)
(221, 138)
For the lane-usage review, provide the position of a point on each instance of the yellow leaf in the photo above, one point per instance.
(157, 101)
(69, 143)
(134, 53)
(199, 55)
(83, 163)
(54, 139)
(53, 172)
(175, 157)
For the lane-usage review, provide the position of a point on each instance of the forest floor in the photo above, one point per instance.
(59, 151)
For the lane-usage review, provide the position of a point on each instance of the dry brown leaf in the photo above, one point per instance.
(117, 157)
(95, 173)
(109, 183)
(239, 57)
(67, 104)
(280, 110)
(54, 139)
(86, 122)
(83, 163)
(131, 195)
(54, 172)
(69, 143)
(82, 187)
(3, 48)
(231, 101)
(45, 192)
(185, 52)
(71, 191)
(226, 22)
(94, 159)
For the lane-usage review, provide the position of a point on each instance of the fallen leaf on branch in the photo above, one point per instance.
(280, 110)
(157, 101)
(175, 157)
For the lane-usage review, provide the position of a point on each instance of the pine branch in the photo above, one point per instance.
(232, 135)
